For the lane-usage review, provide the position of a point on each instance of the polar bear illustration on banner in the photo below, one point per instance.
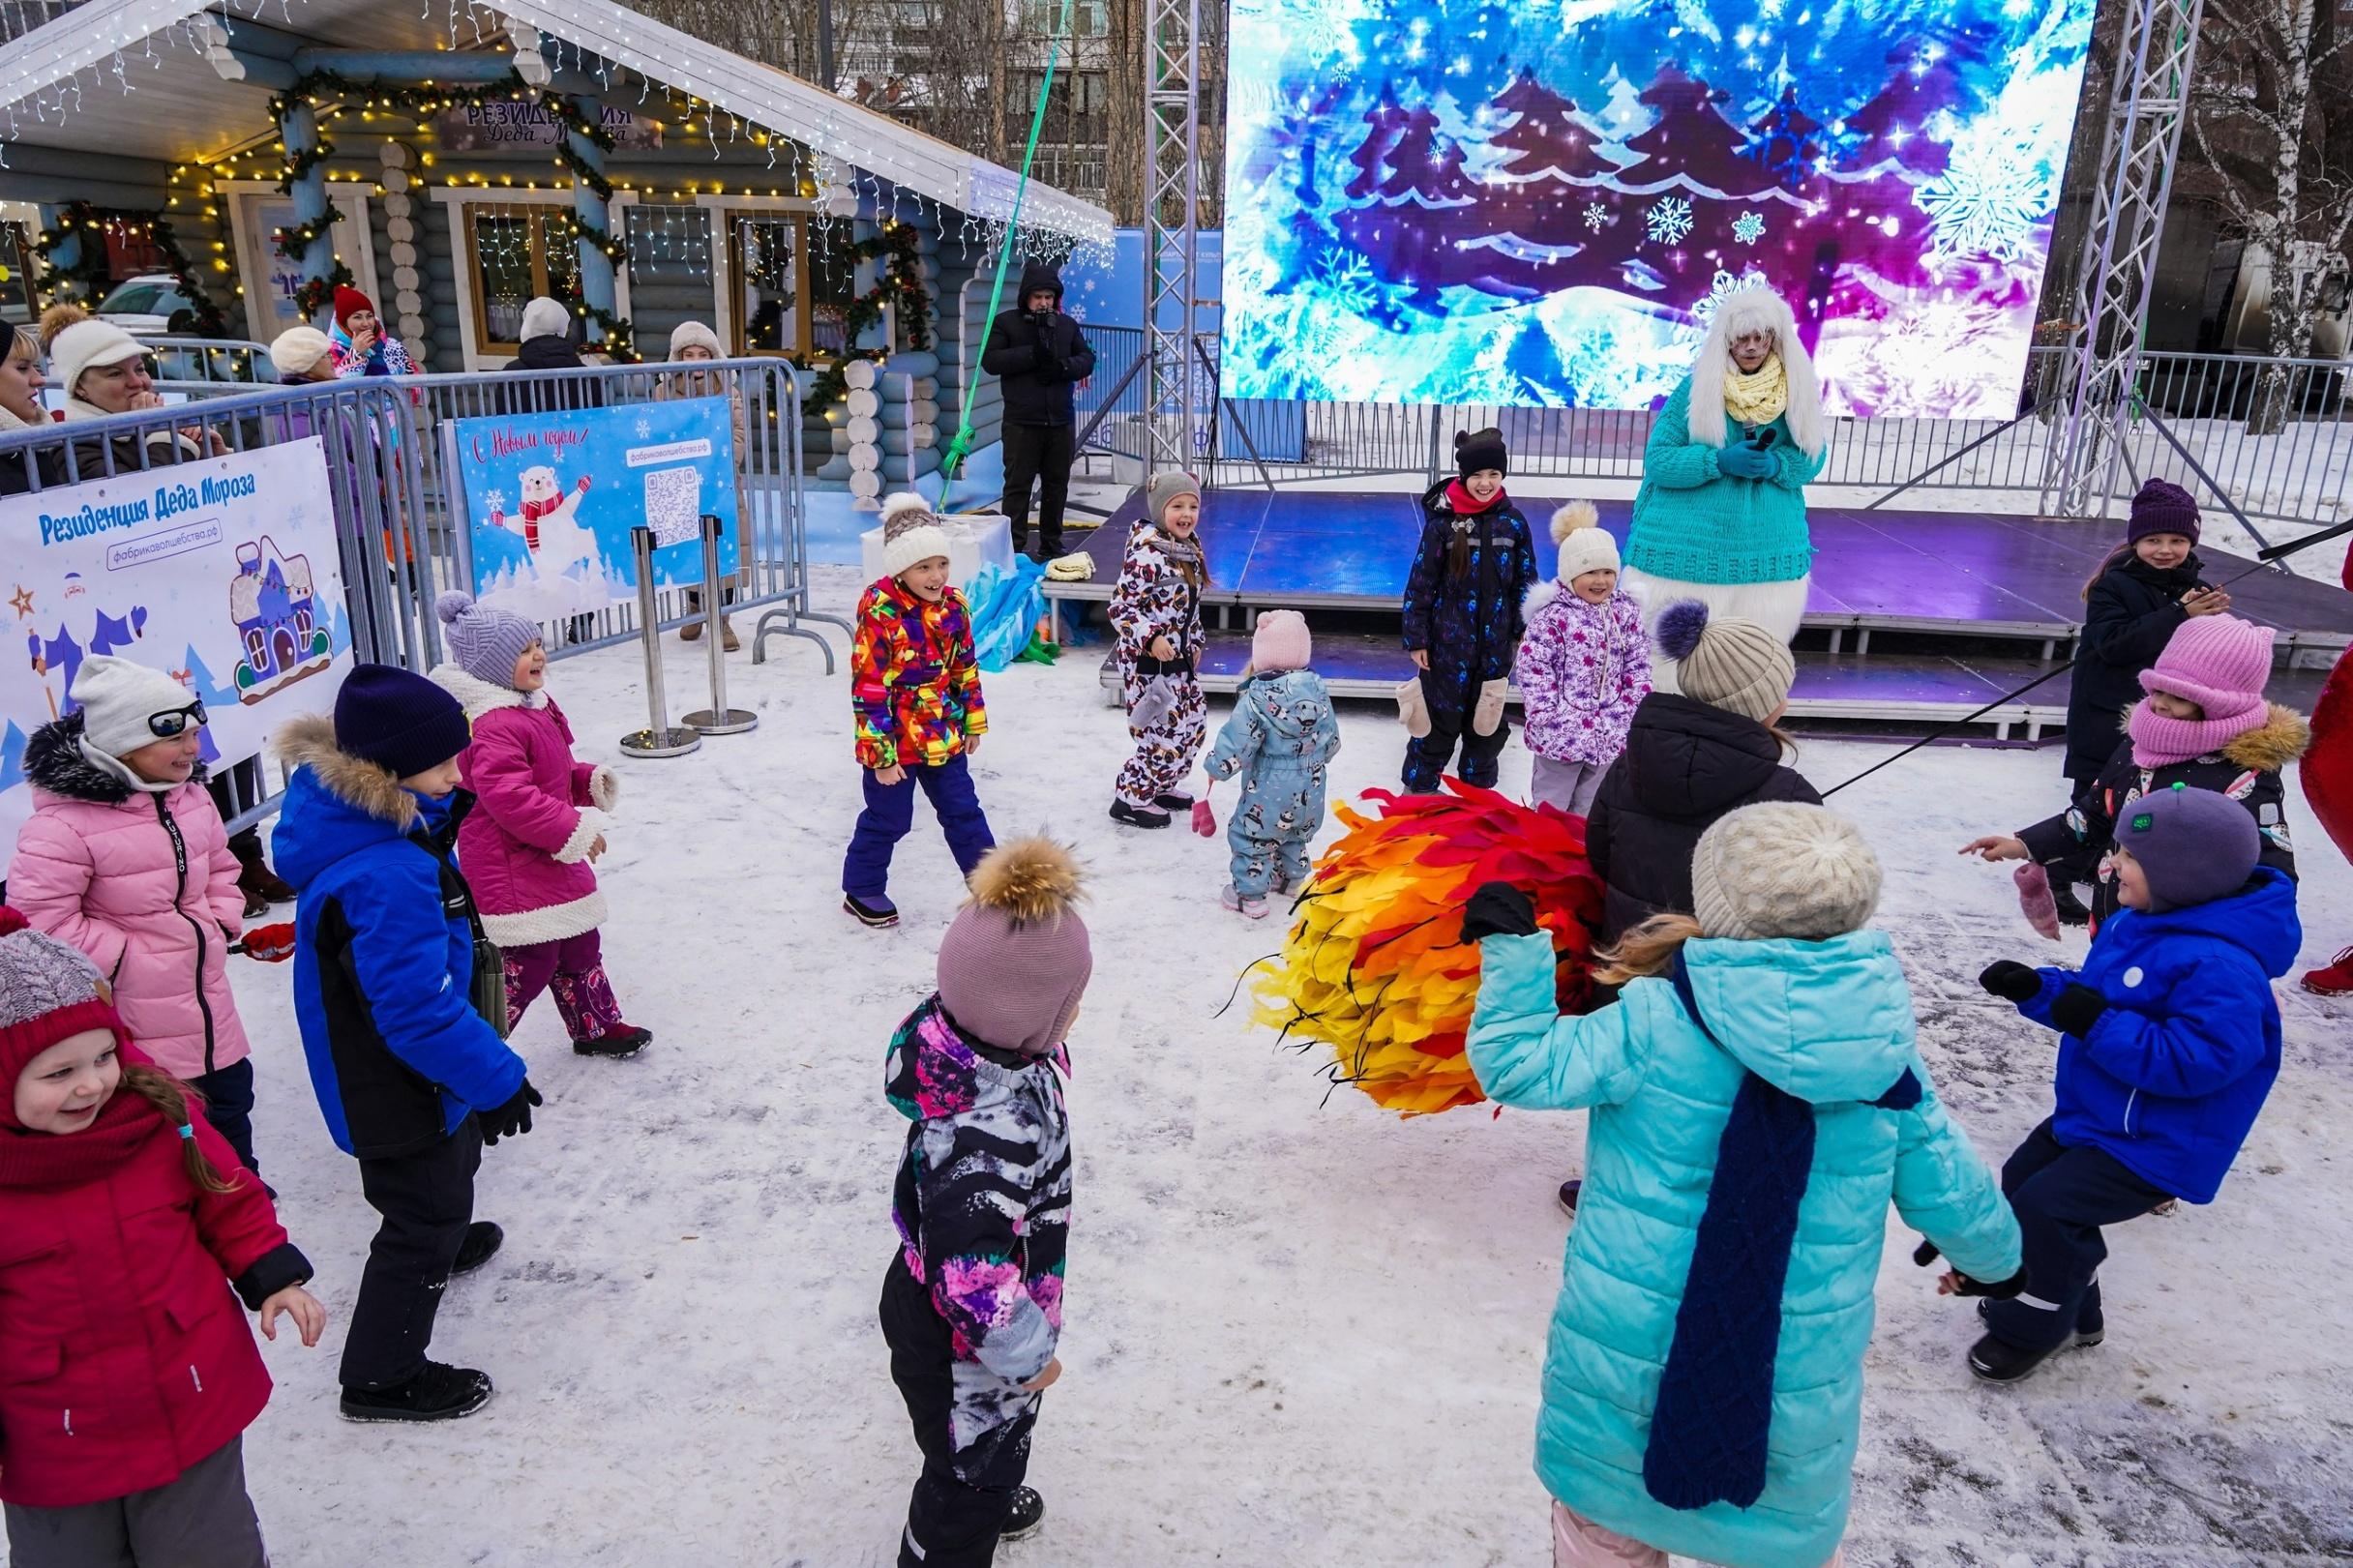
(549, 521)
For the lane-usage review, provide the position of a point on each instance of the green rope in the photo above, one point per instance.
(960, 447)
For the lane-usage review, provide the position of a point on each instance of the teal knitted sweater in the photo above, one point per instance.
(1694, 526)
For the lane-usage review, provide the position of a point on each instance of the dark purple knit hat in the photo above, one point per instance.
(2195, 846)
(2163, 507)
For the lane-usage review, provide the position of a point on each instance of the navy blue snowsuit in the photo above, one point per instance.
(1470, 624)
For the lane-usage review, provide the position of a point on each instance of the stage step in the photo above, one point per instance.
(1900, 695)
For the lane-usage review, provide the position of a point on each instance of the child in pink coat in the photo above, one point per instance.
(126, 858)
(536, 822)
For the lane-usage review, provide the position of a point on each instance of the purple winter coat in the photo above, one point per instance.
(525, 847)
(1582, 669)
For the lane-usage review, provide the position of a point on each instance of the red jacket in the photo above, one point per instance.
(124, 1359)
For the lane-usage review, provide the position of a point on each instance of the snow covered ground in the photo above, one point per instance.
(1301, 1332)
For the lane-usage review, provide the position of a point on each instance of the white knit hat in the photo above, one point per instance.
(1585, 545)
(297, 351)
(118, 696)
(910, 533)
(1783, 870)
(86, 344)
(545, 318)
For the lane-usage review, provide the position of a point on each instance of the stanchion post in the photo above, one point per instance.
(718, 718)
(657, 738)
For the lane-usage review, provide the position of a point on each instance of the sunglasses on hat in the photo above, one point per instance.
(173, 724)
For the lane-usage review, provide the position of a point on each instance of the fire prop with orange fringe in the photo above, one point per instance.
(1373, 966)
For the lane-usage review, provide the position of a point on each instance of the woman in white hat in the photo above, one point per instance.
(104, 370)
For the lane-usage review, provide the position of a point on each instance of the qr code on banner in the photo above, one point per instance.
(674, 504)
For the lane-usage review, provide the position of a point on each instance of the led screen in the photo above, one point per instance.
(1539, 203)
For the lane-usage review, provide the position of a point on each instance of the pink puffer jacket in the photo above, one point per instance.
(525, 847)
(151, 895)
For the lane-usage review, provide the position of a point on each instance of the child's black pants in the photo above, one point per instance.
(2063, 1195)
(960, 1499)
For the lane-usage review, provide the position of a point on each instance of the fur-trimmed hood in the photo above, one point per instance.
(2271, 745)
(370, 789)
(54, 761)
(479, 696)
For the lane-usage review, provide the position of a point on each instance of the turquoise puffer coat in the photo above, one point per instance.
(1694, 525)
(1828, 1022)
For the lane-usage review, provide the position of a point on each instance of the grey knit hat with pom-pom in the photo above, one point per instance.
(1729, 664)
(485, 643)
(1783, 870)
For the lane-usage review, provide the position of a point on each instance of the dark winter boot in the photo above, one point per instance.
(1176, 800)
(260, 885)
(2071, 909)
(439, 1393)
(627, 1039)
(480, 1246)
(1138, 816)
(878, 911)
(1570, 1191)
(1023, 1518)
(1996, 1360)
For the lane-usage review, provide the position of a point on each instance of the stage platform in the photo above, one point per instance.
(1963, 606)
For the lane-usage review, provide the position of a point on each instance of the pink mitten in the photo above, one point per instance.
(2035, 898)
(1204, 820)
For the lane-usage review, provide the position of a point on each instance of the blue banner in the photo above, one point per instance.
(550, 499)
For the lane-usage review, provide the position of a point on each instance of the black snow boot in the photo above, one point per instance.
(1023, 1518)
(1998, 1361)
(1138, 816)
(480, 1246)
(1569, 1191)
(878, 913)
(439, 1393)
(2071, 909)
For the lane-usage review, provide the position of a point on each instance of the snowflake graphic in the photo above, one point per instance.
(1347, 282)
(1595, 215)
(1669, 221)
(1987, 202)
(645, 429)
(1724, 284)
(496, 500)
(1748, 228)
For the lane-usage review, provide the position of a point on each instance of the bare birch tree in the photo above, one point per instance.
(2272, 109)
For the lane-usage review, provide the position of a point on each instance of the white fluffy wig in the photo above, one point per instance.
(1755, 309)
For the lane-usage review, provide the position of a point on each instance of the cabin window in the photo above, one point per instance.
(793, 280)
(516, 252)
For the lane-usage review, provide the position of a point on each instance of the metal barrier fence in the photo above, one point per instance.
(400, 524)
(2275, 436)
(237, 360)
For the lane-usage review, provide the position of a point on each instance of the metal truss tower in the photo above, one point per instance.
(2111, 306)
(1177, 413)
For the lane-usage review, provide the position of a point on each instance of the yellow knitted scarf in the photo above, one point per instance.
(1759, 396)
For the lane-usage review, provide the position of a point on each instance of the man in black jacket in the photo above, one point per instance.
(1040, 355)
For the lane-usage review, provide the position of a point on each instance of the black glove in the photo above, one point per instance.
(1497, 910)
(512, 1120)
(2008, 978)
(2077, 1008)
(2001, 1290)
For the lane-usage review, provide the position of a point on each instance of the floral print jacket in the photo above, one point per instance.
(1582, 670)
(982, 1205)
(915, 680)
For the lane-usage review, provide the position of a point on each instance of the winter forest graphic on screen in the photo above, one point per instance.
(1539, 203)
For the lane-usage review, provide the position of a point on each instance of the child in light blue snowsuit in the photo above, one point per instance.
(1281, 734)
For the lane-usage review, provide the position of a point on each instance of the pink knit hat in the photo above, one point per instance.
(1280, 641)
(2218, 662)
(1016, 958)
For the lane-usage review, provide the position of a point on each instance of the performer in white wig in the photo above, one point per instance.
(1721, 513)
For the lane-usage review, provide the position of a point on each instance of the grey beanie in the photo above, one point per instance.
(485, 642)
(1783, 870)
(118, 696)
(1726, 663)
(1165, 487)
(2194, 845)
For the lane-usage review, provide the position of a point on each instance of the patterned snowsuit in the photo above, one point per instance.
(1469, 625)
(914, 686)
(1153, 599)
(1279, 739)
(982, 1207)
(1582, 669)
